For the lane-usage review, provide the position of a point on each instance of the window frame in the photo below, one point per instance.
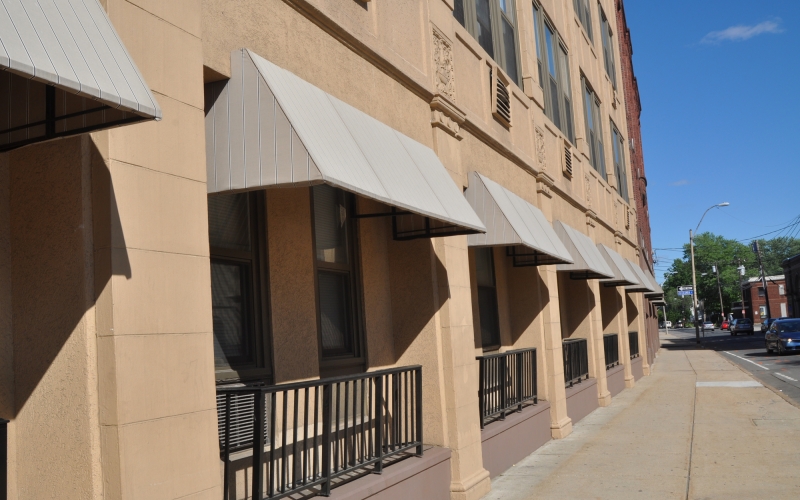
(497, 341)
(583, 11)
(620, 165)
(354, 362)
(496, 17)
(565, 120)
(609, 55)
(596, 145)
(258, 303)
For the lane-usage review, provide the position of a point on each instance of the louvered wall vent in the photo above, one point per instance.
(567, 159)
(627, 219)
(501, 97)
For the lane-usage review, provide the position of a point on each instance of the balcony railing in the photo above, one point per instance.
(3, 459)
(611, 349)
(576, 361)
(307, 434)
(507, 383)
(633, 341)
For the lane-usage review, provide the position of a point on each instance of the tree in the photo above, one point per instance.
(727, 255)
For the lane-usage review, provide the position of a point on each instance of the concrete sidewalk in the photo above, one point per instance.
(670, 437)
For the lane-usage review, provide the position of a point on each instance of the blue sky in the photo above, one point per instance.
(720, 88)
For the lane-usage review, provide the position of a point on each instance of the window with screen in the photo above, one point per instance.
(609, 58)
(594, 129)
(236, 238)
(487, 298)
(493, 23)
(620, 170)
(554, 75)
(337, 276)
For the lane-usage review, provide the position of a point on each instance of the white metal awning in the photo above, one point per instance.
(65, 71)
(588, 261)
(644, 285)
(657, 290)
(623, 274)
(513, 222)
(266, 127)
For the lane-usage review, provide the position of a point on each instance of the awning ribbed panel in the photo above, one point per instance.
(70, 45)
(644, 285)
(657, 290)
(623, 274)
(512, 221)
(268, 127)
(588, 261)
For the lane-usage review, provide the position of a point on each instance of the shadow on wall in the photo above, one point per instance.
(633, 312)
(63, 225)
(525, 288)
(576, 301)
(610, 307)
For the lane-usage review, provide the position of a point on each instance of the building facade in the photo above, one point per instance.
(755, 298)
(791, 269)
(363, 235)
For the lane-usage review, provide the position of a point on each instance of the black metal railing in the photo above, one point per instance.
(576, 360)
(507, 381)
(3, 458)
(306, 434)
(611, 349)
(633, 341)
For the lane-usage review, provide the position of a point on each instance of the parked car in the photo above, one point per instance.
(743, 325)
(679, 324)
(783, 335)
(726, 325)
(768, 322)
(669, 324)
(708, 326)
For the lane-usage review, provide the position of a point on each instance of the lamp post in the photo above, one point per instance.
(694, 273)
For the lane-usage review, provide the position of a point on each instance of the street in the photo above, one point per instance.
(780, 373)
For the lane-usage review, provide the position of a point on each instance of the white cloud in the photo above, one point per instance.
(741, 33)
(681, 182)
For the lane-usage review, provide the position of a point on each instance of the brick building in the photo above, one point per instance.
(633, 111)
(755, 298)
(791, 269)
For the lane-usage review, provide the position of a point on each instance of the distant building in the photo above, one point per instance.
(791, 269)
(755, 298)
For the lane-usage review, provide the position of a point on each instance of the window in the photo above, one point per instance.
(236, 235)
(619, 162)
(493, 23)
(594, 130)
(609, 57)
(554, 77)
(487, 298)
(338, 283)
(584, 15)
(762, 311)
(761, 291)
(781, 290)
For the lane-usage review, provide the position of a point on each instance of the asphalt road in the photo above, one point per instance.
(780, 373)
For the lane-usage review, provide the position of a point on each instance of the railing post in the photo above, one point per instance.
(518, 391)
(482, 388)
(227, 450)
(418, 394)
(258, 445)
(3, 459)
(378, 425)
(503, 387)
(327, 410)
(535, 377)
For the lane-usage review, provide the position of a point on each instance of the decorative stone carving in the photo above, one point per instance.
(445, 115)
(443, 59)
(588, 190)
(616, 213)
(591, 218)
(541, 156)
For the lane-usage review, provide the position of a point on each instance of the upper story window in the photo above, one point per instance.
(619, 162)
(594, 129)
(781, 290)
(553, 66)
(238, 285)
(338, 282)
(584, 14)
(609, 57)
(494, 24)
(487, 298)
(761, 291)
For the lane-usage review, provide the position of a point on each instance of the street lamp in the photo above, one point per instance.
(694, 274)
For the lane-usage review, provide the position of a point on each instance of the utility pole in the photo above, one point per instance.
(757, 249)
(719, 287)
(694, 287)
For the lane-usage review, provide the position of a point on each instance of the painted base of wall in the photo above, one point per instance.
(506, 442)
(425, 477)
(616, 380)
(636, 368)
(582, 400)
